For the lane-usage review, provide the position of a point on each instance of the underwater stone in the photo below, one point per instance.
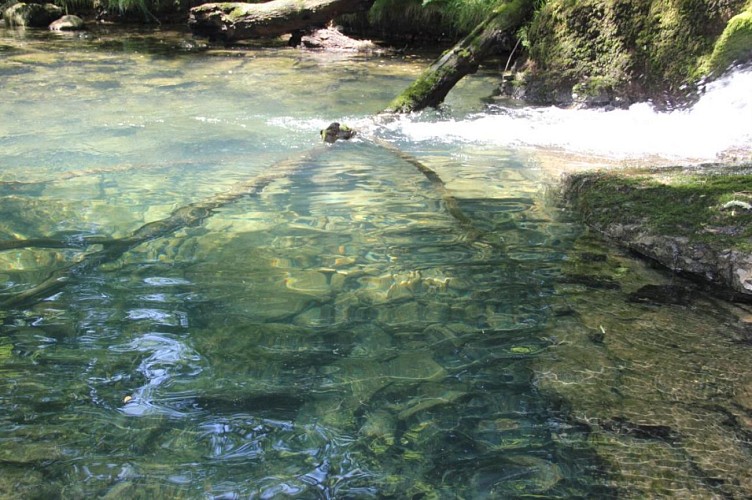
(379, 430)
(662, 295)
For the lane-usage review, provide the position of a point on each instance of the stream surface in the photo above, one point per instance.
(339, 332)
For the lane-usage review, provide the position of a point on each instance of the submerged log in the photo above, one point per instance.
(112, 249)
(195, 213)
(238, 21)
(433, 85)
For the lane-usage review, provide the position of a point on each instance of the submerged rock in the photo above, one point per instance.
(662, 295)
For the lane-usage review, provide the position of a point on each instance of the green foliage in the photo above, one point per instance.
(147, 9)
(435, 18)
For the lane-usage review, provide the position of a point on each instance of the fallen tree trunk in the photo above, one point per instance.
(238, 21)
(433, 85)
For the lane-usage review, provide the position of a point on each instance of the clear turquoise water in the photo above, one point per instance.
(338, 333)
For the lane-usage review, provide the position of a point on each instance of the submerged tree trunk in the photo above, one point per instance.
(433, 85)
(112, 249)
(195, 213)
(239, 21)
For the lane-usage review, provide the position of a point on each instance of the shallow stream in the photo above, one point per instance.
(342, 331)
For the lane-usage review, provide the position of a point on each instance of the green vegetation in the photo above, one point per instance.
(590, 51)
(706, 208)
(422, 19)
(734, 44)
(629, 49)
(145, 10)
(436, 81)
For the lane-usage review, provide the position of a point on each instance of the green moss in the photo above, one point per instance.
(734, 45)
(640, 47)
(594, 86)
(685, 205)
(409, 99)
(571, 42)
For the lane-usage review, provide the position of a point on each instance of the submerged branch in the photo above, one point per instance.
(450, 202)
(335, 132)
(112, 249)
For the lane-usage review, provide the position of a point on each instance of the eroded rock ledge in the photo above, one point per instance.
(694, 221)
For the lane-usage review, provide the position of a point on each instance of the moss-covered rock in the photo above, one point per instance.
(734, 44)
(627, 50)
(31, 15)
(693, 222)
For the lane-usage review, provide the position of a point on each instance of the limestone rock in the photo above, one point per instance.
(331, 38)
(68, 23)
(699, 238)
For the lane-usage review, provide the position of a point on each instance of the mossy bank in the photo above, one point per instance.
(695, 221)
(616, 52)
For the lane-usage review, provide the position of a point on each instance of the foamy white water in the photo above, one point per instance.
(719, 122)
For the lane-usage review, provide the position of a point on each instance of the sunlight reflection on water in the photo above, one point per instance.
(339, 334)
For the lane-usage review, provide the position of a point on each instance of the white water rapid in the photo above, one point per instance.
(719, 124)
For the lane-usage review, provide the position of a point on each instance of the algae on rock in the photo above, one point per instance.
(690, 222)
(734, 44)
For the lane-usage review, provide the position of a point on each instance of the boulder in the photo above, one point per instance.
(68, 23)
(31, 15)
(331, 38)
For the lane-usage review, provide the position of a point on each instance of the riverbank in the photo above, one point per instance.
(695, 221)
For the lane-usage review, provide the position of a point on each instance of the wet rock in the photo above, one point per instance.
(654, 215)
(591, 281)
(31, 15)
(67, 23)
(336, 131)
(662, 295)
